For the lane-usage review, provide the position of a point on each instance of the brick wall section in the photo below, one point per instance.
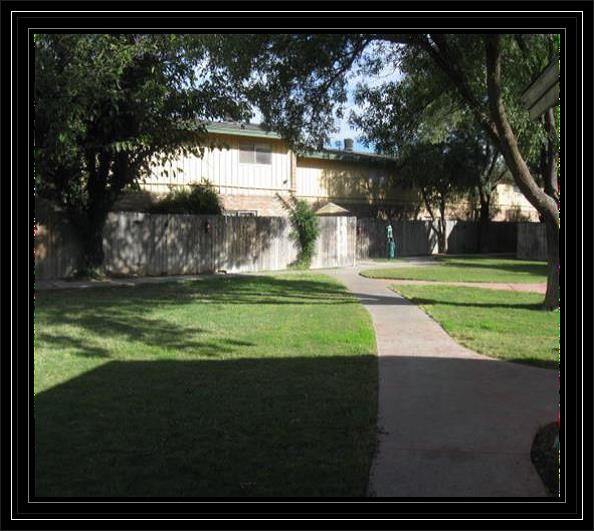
(134, 201)
(264, 205)
(139, 201)
(270, 205)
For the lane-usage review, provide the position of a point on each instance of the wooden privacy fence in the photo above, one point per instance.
(465, 237)
(413, 238)
(532, 241)
(416, 238)
(147, 244)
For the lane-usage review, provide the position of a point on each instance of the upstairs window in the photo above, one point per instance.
(255, 153)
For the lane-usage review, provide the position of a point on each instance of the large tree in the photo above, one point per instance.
(109, 108)
(494, 99)
(402, 118)
(443, 173)
(301, 87)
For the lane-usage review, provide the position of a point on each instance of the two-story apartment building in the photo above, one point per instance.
(251, 168)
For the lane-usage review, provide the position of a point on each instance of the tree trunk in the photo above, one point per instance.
(438, 229)
(545, 205)
(442, 242)
(92, 250)
(485, 201)
(551, 301)
(551, 189)
(91, 221)
(550, 159)
(440, 232)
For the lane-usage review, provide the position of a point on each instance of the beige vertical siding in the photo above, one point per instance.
(222, 168)
(319, 178)
(510, 203)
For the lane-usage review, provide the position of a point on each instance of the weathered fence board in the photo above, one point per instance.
(465, 237)
(145, 244)
(413, 238)
(417, 238)
(532, 241)
(56, 248)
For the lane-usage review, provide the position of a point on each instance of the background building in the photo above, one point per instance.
(252, 169)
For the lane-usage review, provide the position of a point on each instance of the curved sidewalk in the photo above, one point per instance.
(452, 422)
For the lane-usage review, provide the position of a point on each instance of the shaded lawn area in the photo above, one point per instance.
(503, 324)
(232, 386)
(469, 269)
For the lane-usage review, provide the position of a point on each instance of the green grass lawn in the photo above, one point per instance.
(231, 386)
(503, 324)
(469, 269)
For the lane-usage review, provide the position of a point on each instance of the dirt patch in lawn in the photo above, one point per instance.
(545, 457)
(527, 288)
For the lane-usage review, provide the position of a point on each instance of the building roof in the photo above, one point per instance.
(347, 156)
(236, 128)
(258, 131)
(332, 209)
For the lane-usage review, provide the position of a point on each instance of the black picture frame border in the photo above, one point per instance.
(20, 510)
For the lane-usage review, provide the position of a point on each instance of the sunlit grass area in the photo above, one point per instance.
(232, 386)
(469, 269)
(503, 324)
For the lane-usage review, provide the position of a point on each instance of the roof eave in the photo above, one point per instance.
(242, 132)
(346, 157)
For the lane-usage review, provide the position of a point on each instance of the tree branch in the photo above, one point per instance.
(508, 143)
(449, 67)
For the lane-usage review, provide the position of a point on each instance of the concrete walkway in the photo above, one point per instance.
(452, 422)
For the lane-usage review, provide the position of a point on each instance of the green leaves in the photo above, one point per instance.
(305, 228)
(108, 105)
(124, 94)
(201, 198)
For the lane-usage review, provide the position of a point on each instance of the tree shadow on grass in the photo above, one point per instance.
(247, 427)
(123, 313)
(420, 301)
(238, 289)
(299, 427)
(134, 330)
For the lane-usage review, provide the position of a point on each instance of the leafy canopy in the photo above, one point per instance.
(109, 108)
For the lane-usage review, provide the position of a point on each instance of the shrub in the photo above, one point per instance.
(201, 198)
(306, 229)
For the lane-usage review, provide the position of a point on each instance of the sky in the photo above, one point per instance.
(344, 129)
